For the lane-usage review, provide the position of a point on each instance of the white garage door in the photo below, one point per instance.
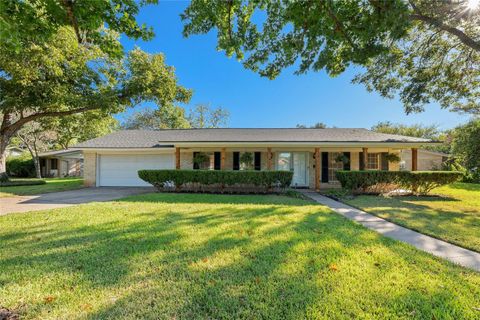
(122, 170)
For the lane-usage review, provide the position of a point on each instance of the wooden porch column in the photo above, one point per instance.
(317, 169)
(414, 159)
(365, 158)
(177, 158)
(222, 159)
(269, 159)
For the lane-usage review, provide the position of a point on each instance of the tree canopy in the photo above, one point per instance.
(175, 117)
(424, 51)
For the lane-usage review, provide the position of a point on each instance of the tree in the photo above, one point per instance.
(35, 138)
(174, 117)
(466, 145)
(202, 116)
(318, 125)
(416, 130)
(422, 50)
(62, 78)
(79, 127)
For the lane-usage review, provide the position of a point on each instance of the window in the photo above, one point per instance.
(372, 161)
(53, 164)
(334, 165)
(284, 161)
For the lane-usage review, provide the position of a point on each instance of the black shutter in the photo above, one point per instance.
(195, 165)
(258, 161)
(362, 164)
(346, 164)
(384, 163)
(324, 166)
(236, 161)
(216, 160)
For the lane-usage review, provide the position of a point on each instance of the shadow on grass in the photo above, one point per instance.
(226, 261)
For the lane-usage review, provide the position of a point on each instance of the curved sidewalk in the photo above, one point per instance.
(439, 248)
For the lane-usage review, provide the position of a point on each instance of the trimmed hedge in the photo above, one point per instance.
(217, 180)
(419, 182)
(14, 183)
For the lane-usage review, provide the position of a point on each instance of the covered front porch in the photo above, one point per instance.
(313, 167)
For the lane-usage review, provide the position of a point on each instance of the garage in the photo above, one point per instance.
(122, 170)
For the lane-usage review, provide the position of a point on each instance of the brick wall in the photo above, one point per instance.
(89, 169)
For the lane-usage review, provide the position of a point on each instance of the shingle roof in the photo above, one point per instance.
(166, 137)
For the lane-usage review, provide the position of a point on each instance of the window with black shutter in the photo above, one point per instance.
(216, 160)
(195, 165)
(384, 161)
(324, 166)
(362, 163)
(258, 161)
(346, 164)
(236, 161)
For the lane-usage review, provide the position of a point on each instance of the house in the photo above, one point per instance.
(15, 151)
(427, 160)
(312, 154)
(62, 163)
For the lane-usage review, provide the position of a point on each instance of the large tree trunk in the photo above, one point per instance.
(3, 157)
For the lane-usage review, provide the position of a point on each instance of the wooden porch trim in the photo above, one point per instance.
(177, 158)
(365, 158)
(414, 159)
(317, 169)
(269, 159)
(222, 158)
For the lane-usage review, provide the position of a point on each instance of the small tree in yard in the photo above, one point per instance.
(201, 159)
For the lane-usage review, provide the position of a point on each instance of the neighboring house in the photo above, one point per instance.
(63, 163)
(14, 151)
(312, 154)
(427, 160)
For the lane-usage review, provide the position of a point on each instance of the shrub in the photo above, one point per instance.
(21, 166)
(216, 180)
(14, 183)
(419, 182)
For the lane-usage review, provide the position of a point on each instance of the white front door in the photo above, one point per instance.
(122, 170)
(296, 162)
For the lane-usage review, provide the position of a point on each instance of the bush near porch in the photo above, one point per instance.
(419, 182)
(218, 181)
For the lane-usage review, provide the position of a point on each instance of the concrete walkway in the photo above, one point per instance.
(431, 245)
(67, 198)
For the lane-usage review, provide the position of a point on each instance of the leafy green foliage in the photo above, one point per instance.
(30, 20)
(422, 51)
(220, 179)
(21, 166)
(419, 182)
(201, 159)
(392, 157)
(466, 146)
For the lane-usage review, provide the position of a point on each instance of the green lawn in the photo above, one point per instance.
(52, 185)
(187, 256)
(454, 217)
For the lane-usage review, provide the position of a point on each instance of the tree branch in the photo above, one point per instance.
(463, 37)
(68, 5)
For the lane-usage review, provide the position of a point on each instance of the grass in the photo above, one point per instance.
(453, 217)
(190, 256)
(52, 185)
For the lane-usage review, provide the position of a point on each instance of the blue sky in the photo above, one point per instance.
(258, 102)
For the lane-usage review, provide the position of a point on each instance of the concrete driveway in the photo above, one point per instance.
(67, 198)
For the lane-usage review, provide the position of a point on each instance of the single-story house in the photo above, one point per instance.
(427, 160)
(312, 154)
(61, 163)
(15, 151)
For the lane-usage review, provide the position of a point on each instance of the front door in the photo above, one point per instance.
(296, 162)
